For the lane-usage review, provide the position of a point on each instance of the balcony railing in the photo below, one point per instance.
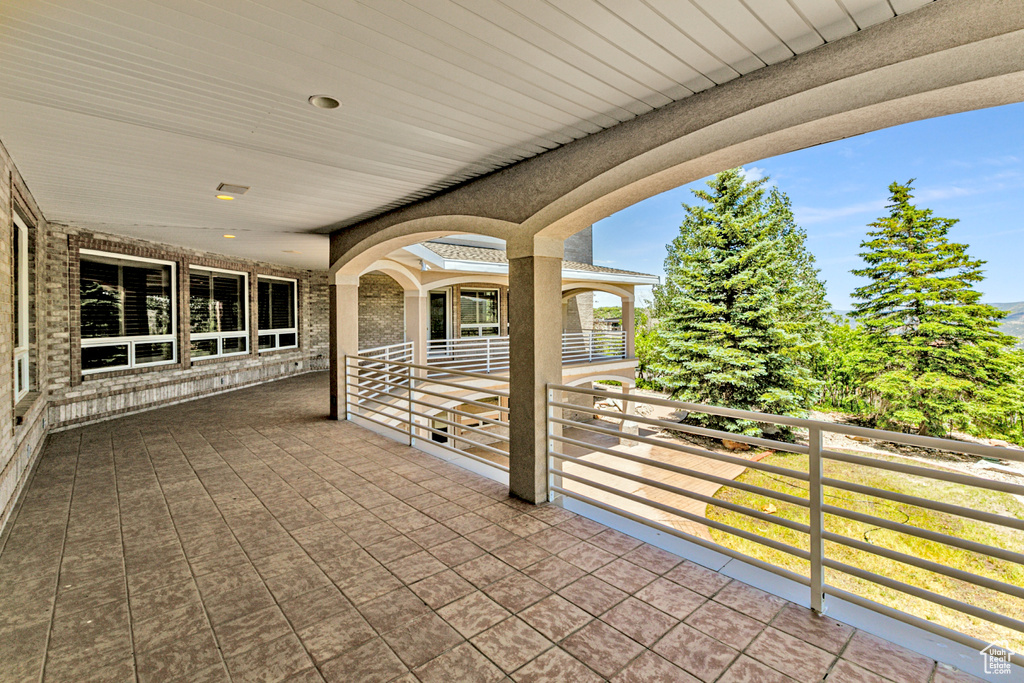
(490, 354)
(802, 516)
(453, 414)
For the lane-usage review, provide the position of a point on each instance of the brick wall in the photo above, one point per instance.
(580, 313)
(22, 424)
(381, 311)
(76, 398)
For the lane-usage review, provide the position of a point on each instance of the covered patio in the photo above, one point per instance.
(245, 537)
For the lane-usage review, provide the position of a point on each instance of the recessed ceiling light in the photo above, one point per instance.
(225, 197)
(230, 237)
(324, 102)
(290, 251)
(228, 188)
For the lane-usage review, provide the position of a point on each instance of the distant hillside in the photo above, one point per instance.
(1013, 324)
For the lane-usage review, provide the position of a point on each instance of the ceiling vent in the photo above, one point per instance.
(232, 189)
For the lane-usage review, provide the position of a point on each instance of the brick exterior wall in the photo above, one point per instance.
(381, 311)
(22, 424)
(61, 396)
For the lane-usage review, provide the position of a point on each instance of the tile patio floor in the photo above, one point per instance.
(244, 537)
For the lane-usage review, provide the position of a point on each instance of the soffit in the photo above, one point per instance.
(124, 115)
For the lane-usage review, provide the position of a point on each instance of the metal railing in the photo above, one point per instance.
(653, 487)
(592, 346)
(491, 354)
(454, 414)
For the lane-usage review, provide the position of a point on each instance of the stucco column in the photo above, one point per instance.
(628, 408)
(416, 320)
(344, 336)
(629, 327)
(535, 346)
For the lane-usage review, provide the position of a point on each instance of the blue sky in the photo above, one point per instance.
(968, 166)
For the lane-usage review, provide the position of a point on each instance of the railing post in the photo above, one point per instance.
(344, 387)
(816, 500)
(549, 413)
(487, 350)
(412, 432)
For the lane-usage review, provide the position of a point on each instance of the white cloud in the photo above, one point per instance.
(753, 173)
(809, 214)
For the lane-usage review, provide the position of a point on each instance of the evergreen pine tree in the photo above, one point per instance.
(935, 349)
(742, 307)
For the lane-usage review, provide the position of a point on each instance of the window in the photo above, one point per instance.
(217, 312)
(478, 312)
(128, 312)
(276, 302)
(21, 294)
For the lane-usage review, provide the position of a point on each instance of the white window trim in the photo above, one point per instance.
(21, 345)
(132, 341)
(479, 327)
(277, 332)
(221, 336)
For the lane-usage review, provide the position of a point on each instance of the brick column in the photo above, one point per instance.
(344, 336)
(535, 303)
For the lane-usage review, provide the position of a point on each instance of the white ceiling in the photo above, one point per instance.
(125, 115)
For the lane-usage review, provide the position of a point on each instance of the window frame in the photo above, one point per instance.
(277, 332)
(478, 326)
(220, 336)
(130, 342)
(20, 294)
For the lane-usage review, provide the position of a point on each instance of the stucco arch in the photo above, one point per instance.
(468, 279)
(353, 250)
(396, 272)
(571, 289)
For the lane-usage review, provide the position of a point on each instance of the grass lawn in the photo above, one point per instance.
(968, 496)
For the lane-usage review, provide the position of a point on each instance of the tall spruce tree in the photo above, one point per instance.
(935, 352)
(741, 308)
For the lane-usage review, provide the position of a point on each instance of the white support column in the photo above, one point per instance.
(629, 326)
(416, 324)
(628, 408)
(344, 336)
(535, 303)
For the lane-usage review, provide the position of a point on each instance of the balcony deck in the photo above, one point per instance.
(245, 537)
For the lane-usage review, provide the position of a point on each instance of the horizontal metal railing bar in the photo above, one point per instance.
(943, 475)
(475, 430)
(923, 594)
(691, 450)
(471, 456)
(932, 442)
(408, 344)
(456, 385)
(927, 503)
(927, 565)
(925, 534)
(974, 643)
(473, 375)
(676, 426)
(401, 406)
(760, 540)
(417, 425)
(475, 416)
(710, 545)
(696, 474)
(421, 390)
(709, 500)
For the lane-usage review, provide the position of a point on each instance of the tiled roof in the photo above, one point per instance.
(458, 252)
